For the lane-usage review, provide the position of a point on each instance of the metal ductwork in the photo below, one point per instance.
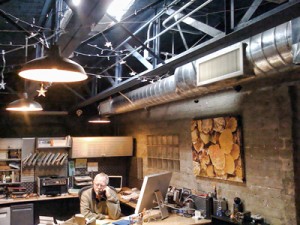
(271, 50)
(266, 53)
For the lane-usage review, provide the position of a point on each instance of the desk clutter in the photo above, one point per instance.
(130, 195)
(82, 181)
(15, 192)
(183, 202)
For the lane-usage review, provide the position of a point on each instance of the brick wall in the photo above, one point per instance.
(267, 122)
(295, 96)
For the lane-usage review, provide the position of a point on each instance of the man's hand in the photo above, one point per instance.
(107, 192)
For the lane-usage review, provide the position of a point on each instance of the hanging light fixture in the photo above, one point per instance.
(98, 119)
(24, 105)
(53, 68)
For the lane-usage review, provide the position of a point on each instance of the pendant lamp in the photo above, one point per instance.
(99, 120)
(53, 68)
(24, 105)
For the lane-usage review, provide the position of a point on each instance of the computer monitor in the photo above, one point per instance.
(116, 182)
(151, 184)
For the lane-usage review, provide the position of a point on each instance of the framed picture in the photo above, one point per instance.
(217, 148)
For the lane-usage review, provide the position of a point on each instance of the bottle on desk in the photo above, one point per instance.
(219, 209)
(3, 179)
(13, 179)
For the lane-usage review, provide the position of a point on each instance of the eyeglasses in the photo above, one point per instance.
(100, 185)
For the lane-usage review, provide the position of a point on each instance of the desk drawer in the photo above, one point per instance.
(22, 214)
(5, 216)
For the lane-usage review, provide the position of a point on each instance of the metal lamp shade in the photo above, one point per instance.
(99, 120)
(24, 105)
(53, 68)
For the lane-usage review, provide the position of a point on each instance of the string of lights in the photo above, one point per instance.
(109, 50)
(97, 55)
(18, 20)
(113, 53)
(141, 78)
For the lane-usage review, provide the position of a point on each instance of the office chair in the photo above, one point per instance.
(82, 190)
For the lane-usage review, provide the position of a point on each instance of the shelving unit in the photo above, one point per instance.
(10, 166)
(45, 156)
(49, 151)
(53, 142)
(163, 152)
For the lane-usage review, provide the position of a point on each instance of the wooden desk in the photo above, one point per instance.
(173, 219)
(126, 202)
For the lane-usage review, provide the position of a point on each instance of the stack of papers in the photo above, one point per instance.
(14, 165)
(83, 180)
(46, 220)
(132, 196)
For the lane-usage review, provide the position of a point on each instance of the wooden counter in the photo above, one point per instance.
(60, 207)
(34, 199)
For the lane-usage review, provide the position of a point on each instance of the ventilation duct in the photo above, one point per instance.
(266, 53)
(296, 40)
(271, 51)
(223, 64)
(149, 95)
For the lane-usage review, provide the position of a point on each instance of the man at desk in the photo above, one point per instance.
(100, 201)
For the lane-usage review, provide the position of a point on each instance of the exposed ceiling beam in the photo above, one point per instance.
(250, 11)
(138, 41)
(80, 25)
(94, 37)
(139, 57)
(197, 24)
(283, 13)
(19, 27)
(46, 9)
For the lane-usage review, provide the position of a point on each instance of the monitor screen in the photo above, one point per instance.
(151, 183)
(116, 182)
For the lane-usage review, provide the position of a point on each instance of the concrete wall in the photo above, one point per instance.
(268, 119)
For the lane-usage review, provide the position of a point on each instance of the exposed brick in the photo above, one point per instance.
(268, 146)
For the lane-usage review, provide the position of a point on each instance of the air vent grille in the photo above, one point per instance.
(223, 64)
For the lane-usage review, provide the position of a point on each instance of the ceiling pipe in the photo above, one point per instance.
(178, 21)
(283, 12)
(174, 14)
(170, 27)
(268, 52)
(135, 33)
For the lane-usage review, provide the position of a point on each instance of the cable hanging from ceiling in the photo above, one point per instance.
(2, 83)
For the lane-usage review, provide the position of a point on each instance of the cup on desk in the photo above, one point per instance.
(136, 219)
(200, 214)
(80, 220)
